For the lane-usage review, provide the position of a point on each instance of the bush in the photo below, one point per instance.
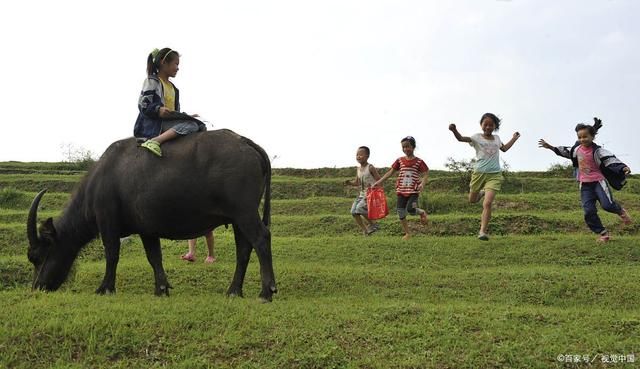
(560, 170)
(11, 198)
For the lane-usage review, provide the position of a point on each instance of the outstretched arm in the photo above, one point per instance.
(459, 137)
(542, 143)
(513, 140)
(563, 151)
(388, 174)
(354, 182)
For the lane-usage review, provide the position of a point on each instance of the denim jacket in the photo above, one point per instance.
(148, 124)
(610, 166)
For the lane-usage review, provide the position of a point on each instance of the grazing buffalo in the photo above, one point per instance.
(203, 181)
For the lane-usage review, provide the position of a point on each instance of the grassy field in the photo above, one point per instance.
(540, 292)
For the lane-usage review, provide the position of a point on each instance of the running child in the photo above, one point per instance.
(596, 168)
(486, 178)
(366, 176)
(409, 183)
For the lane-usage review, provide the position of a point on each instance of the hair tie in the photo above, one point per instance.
(154, 54)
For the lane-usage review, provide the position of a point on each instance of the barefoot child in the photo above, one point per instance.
(595, 167)
(487, 178)
(366, 175)
(409, 183)
(191, 254)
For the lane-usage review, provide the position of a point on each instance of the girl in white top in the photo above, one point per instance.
(487, 178)
(366, 176)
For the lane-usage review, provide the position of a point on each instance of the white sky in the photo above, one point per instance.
(311, 81)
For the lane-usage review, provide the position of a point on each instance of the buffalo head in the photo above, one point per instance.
(51, 263)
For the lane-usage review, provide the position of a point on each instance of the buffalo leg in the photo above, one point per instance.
(243, 253)
(260, 238)
(154, 256)
(112, 255)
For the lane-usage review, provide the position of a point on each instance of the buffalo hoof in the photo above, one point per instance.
(264, 300)
(104, 290)
(267, 293)
(163, 290)
(233, 292)
(266, 297)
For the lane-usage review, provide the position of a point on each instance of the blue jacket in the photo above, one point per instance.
(148, 124)
(610, 166)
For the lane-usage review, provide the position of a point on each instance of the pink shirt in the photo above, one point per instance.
(588, 170)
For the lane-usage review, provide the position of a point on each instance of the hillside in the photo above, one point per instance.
(540, 290)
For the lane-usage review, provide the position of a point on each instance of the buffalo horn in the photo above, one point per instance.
(32, 232)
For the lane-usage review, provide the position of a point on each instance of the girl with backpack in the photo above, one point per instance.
(596, 170)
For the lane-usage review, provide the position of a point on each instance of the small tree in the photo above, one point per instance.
(463, 170)
(81, 157)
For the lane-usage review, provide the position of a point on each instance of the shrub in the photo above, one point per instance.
(11, 198)
(560, 170)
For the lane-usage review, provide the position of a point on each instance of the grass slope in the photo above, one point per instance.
(540, 288)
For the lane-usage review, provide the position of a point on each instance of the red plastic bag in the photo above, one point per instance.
(376, 203)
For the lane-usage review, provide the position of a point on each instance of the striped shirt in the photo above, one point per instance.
(409, 177)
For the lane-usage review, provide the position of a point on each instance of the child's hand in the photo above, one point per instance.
(516, 135)
(452, 127)
(163, 112)
(421, 186)
(543, 143)
(626, 171)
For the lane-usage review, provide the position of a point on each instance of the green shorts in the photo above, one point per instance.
(485, 181)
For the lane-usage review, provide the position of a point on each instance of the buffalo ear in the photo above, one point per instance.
(47, 230)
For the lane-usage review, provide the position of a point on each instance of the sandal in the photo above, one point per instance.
(483, 236)
(152, 146)
(604, 238)
(626, 219)
(188, 257)
(423, 218)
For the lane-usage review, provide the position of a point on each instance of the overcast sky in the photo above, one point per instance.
(310, 81)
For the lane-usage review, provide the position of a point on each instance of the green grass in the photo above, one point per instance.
(343, 302)
(541, 287)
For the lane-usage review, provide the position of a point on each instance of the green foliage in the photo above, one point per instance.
(462, 170)
(561, 170)
(10, 198)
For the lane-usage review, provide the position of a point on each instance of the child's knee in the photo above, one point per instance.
(589, 210)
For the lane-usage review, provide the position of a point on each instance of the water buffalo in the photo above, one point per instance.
(204, 180)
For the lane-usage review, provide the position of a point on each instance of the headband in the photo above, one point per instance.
(154, 55)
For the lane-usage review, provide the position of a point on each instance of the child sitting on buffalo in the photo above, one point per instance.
(159, 119)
